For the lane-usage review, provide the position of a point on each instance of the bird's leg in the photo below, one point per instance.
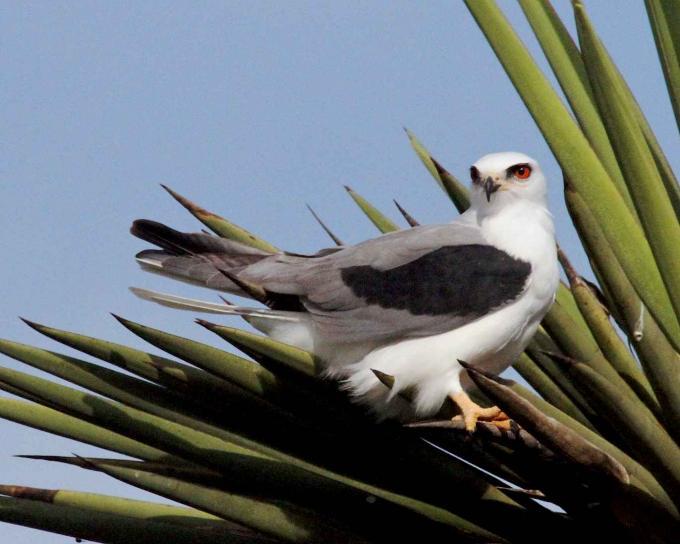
(471, 412)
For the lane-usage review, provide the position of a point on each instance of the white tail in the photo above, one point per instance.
(183, 303)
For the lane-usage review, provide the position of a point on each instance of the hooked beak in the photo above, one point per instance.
(490, 187)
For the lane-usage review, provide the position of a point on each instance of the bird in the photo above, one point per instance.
(411, 304)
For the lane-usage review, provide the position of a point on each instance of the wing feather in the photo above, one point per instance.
(415, 282)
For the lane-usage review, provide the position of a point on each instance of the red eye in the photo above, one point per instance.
(522, 171)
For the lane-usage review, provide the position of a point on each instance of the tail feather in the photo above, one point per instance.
(197, 258)
(192, 243)
(183, 303)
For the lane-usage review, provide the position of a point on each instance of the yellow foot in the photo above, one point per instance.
(471, 412)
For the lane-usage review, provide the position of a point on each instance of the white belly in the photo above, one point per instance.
(429, 365)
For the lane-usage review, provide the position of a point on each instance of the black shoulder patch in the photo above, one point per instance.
(459, 280)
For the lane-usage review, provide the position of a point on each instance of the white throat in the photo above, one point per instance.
(523, 228)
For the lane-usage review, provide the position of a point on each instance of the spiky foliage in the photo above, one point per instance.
(260, 449)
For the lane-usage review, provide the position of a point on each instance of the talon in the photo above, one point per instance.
(503, 424)
(471, 412)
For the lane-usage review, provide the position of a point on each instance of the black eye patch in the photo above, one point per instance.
(474, 174)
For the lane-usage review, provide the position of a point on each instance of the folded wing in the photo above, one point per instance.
(416, 282)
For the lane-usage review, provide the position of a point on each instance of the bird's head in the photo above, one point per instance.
(500, 177)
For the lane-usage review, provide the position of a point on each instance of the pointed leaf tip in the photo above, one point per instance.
(328, 231)
(188, 204)
(385, 379)
(32, 324)
(409, 218)
(207, 324)
(121, 320)
(489, 375)
(466, 365)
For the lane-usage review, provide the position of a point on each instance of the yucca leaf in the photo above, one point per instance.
(412, 222)
(514, 452)
(556, 436)
(608, 472)
(251, 376)
(228, 507)
(319, 399)
(548, 389)
(560, 377)
(637, 163)
(364, 519)
(567, 65)
(544, 406)
(642, 518)
(220, 400)
(579, 163)
(663, 17)
(131, 422)
(236, 370)
(7, 388)
(489, 450)
(306, 526)
(147, 428)
(173, 429)
(379, 219)
(222, 227)
(561, 438)
(658, 358)
(640, 476)
(606, 336)
(277, 520)
(541, 342)
(242, 459)
(187, 518)
(158, 369)
(186, 473)
(585, 349)
(564, 299)
(115, 385)
(611, 275)
(328, 231)
(290, 357)
(667, 175)
(106, 528)
(166, 467)
(161, 402)
(424, 156)
(456, 191)
(636, 424)
(55, 422)
(661, 363)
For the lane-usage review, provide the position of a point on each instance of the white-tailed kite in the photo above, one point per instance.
(409, 304)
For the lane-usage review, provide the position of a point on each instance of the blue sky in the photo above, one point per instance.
(252, 109)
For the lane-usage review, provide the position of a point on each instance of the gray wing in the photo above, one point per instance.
(414, 282)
